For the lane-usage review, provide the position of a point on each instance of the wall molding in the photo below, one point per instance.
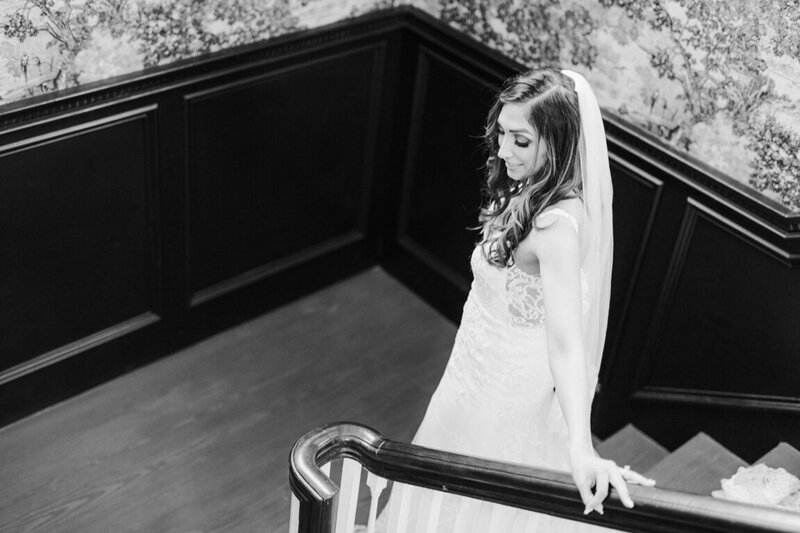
(424, 58)
(377, 54)
(68, 131)
(272, 268)
(75, 348)
(193, 70)
(763, 403)
(643, 391)
(146, 113)
(436, 265)
(702, 178)
(781, 254)
(656, 187)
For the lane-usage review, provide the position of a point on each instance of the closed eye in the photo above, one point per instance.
(519, 140)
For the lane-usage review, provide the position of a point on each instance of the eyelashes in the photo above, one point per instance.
(522, 142)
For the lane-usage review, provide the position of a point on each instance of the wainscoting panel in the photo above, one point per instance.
(705, 340)
(239, 181)
(277, 171)
(636, 201)
(443, 175)
(724, 332)
(80, 256)
(441, 196)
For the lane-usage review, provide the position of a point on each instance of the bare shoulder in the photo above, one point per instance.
(571, 206)
(556, 236)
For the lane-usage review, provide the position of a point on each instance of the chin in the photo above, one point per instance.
(516, 174)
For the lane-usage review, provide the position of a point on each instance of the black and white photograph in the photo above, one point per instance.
(399, 266)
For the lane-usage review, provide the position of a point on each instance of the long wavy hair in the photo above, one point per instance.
(510, 208)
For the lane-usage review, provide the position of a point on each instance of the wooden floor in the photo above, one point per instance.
(199, 442)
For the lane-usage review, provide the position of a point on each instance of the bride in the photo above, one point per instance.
(518, 386)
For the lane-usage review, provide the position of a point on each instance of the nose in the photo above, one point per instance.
(504, 151)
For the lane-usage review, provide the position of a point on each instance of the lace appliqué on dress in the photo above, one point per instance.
(525, 298)
(525, 294)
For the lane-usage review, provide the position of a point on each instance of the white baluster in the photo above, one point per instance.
(484, 516)
(466, 515)
(429, 508)
(348, 496)
(400, 503)
(531, 522)
(376, 485)
(502, 519)
(294, 515)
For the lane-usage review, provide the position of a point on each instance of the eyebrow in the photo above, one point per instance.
(526, 132)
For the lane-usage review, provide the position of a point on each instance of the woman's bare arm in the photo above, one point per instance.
(557, 249)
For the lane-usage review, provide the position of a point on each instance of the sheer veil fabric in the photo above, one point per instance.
(598, 235)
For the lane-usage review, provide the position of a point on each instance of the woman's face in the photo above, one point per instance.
(519, 146)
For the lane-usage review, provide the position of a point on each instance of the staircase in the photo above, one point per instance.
(696, 467)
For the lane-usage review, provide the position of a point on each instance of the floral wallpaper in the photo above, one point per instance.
(47, 45)
(717, 79)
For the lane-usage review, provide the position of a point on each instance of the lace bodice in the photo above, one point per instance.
(523, 292)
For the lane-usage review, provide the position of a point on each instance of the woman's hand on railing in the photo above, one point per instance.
(589, 471)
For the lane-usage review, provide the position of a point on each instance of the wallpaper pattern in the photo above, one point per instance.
(717, 79)
(47, 45)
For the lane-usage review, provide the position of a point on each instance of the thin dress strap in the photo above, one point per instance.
(560, 212)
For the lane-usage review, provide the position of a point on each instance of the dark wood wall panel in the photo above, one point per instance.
(636, 201)
(241, 180)
(443, 176)
(724, 331)
(442, 186)
(279, 165)
(80, 260)
(707, 339)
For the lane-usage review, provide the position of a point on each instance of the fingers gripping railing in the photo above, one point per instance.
(320, 506)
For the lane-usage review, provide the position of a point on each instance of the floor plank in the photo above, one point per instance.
(199, 441)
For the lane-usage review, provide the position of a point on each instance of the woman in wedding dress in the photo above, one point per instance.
(519, 383)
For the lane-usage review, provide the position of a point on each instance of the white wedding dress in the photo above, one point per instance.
(497, 397)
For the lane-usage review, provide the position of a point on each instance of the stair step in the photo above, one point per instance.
(629, 446)
(783, 456)
(696, 467)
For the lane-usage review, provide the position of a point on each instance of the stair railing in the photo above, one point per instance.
(319, 506)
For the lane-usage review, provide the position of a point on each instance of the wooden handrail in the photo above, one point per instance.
(513, 485)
